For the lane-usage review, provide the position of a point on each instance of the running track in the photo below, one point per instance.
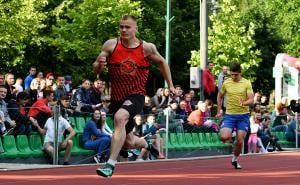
(269, 169)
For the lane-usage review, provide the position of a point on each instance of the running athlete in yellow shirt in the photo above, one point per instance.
(239, 96)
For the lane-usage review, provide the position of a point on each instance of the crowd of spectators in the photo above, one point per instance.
(26, 108)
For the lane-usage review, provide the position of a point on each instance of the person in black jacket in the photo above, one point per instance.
(18, 111)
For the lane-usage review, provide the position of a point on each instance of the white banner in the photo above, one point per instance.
(194, 77)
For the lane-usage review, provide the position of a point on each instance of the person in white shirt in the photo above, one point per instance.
(63, 144)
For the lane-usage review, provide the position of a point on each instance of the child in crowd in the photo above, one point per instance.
(252, 141)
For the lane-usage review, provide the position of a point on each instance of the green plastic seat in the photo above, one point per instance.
(1, 149)
(196, 140)
(183, 145)
(35, 143)
(174, 144)
(23, 146)
(10, 148)
(80, 124)
(110, 122)
(77, 149)
(189, 141)
(215, 138)
(203, 140)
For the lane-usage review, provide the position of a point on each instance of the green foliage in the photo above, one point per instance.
(85, 27)
(20, 23)
(230, 40)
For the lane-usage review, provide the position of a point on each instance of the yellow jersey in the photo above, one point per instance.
(235, 91)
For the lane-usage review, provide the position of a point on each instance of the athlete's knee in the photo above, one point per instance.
(120, 120)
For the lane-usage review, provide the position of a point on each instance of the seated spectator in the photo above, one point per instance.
(9, 84)
(200, 119)
(254, 128)
(35, 91)
(147, 109)
(187, 100)
(68, 85)
(65, 109)
(266, 135)
(49, 81)
(175, 123)
(149, 129)
(81, 99)
(48, 131)
(40, 109)
(97, 91)
(2, 124)
(6, 123)
(19, 85)
(182, 111)
(158, 100)
(281, 121)
(292, 131)
(95, 137)
(60, 90)
(18, 111)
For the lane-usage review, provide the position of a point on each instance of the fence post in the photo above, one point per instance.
(56, 113)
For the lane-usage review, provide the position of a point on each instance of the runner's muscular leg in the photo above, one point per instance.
(118, 139)
(132, 141)
(240, 140)
(226, 134)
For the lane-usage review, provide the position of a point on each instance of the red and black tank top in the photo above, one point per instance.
(128, 71)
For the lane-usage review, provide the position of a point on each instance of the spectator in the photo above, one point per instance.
(158, 100)
(181, 111)
(210, 89)
(254, 128)
(97, 91)
(264, 103)
(266, 135)
(147, 109)
(68, 86)
(40, 109)
(95, 137)
(19, 85)
(49, 81)
(48, 131)
(81, 100)
(6, 122)
(42, 80)
(187, 100)
(30, 77)
(35, 91)
(18, 111)
(193, 99)
(60, 90)
(179, 93)
(11, 90)
(2, 124)
(222, 77)
(175, 123)
(281, 121)
(292, 131)
(200, 119)
(150, 129)
(65, 109)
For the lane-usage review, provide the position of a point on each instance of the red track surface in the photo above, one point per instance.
(274, 169)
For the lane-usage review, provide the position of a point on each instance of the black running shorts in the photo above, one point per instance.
(133, 104)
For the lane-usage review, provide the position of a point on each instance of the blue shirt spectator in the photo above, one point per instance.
(30, 77)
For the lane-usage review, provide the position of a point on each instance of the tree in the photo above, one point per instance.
(230, 40)
(20, 23)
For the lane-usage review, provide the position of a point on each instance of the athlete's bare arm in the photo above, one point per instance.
(106, 51)
(220, 98)
(152, 54)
